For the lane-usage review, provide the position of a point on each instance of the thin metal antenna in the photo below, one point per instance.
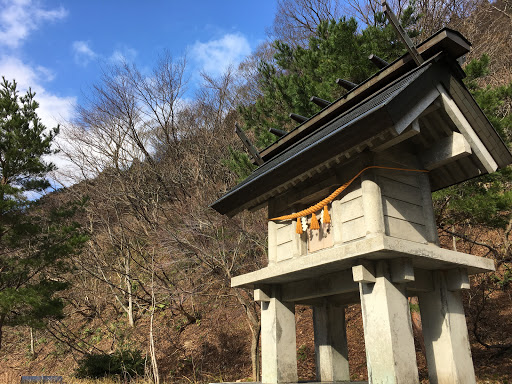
(401, 33)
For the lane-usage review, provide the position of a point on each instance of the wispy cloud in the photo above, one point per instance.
(123, 55)
(83, 53)
(215, 56)
(53, 109)
(18, 18)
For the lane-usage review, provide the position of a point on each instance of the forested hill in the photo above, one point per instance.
(129, 270)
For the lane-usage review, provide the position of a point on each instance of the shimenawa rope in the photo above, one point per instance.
(323, 204)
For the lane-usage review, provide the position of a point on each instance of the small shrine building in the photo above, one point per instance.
(349, 190)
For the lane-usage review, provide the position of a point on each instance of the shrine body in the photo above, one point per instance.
(390, 142)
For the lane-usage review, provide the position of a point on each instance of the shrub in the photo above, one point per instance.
(126, 363)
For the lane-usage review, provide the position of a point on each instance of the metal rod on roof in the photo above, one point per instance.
(320, 102)
(247, 143)
(379, 63)
(348, 85)
(297, 118)
(278, 132)
(401, 33)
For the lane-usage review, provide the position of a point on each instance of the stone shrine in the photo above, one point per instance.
(410, 129)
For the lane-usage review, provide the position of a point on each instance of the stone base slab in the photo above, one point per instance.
(376, 247)
(301, 382)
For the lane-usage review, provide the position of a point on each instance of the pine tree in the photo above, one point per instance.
(338, 49)
(34, 241)
(23, 142)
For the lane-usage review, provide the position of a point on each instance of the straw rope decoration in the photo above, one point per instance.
(323, 204)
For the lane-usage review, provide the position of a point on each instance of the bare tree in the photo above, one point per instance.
(151, 165)
(366, 11)
(489, 28)
(113, 145)
(296, 20)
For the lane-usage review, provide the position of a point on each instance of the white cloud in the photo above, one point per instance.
(215, 56)
(20, 17)
(83, 52)
(123, 55)
(44, 73)
(53, 109)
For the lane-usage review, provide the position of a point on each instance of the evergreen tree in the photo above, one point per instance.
(34, 241)
(338, 49)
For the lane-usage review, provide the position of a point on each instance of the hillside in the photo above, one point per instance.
(216, 347)
(151, 275)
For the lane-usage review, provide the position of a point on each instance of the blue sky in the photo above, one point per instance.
(59, 47)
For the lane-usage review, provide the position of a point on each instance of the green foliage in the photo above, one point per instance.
(414, 307)
(127, 364)
(239, 163)
(476, 69)
(23, 142)
(503, 281)
(35, 241)
(338, 49)
(35, 249)
(486, 200)
(496, 102)
(302, 353)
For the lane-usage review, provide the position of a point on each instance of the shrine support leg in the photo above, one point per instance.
(278, 340)
(445, 334)
(390, 352)
(330, 343)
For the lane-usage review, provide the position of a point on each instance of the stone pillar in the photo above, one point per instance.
(390, 352)
(330, 343)
(372, 203)
(445, 332)
(428, 209)
(278, 344)
(272, 242)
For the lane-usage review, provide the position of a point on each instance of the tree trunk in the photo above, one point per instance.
(152, 352)
(417, 327)
(32, 347)
(454, 240)
(255, 325)
(128, 281)
(2, 319)
(255, 353)
(131, 320)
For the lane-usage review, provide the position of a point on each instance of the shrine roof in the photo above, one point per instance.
(446, 40)
(387, 102)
